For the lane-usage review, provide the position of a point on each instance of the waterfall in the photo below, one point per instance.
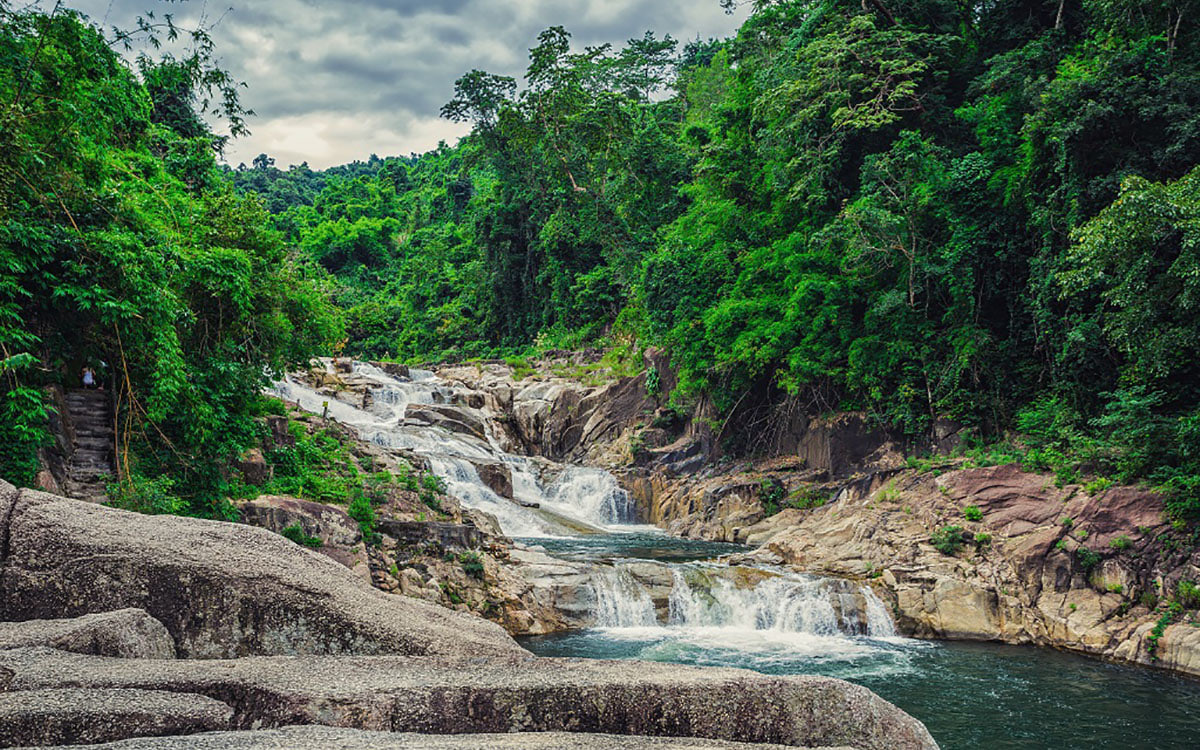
(748, 599)
(575, 499)
(621, 602)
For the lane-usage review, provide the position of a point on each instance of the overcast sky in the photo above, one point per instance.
(336, 80)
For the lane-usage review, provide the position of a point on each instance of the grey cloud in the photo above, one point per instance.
(335, 80)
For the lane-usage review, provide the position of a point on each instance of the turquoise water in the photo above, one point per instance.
(970, 696)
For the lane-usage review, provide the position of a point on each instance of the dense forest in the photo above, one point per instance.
(926, 210)
(123, 248)
(923, 209)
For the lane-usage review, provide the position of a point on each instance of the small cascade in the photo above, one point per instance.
(746, 599)
(621, 602)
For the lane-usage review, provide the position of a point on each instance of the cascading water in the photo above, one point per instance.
(742, 599)
(573, 500)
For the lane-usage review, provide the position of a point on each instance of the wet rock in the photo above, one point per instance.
(451, 418)
(395, 370)
(125, 634)
(433, 695)
(58, 716)
(220, 589)
(328, 738)
(498, 477)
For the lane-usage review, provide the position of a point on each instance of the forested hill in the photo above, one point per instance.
(924, 209)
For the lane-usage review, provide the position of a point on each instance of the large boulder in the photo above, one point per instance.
(126, 634)
(58, 716)
(328, 738)
(221, 589)
(434, 695)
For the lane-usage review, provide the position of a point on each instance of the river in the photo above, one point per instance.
(664, 599)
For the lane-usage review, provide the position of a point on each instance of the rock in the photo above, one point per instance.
(329, 738)
(488, 524)
(395, 370)
(57, 716)
(448, 536)
(434, 695)
(46, 482)
(451, 418)
(840, 444)
(254, 468)
(125, 634)
(221, 589)
(498, 477)
(1025, 584)
(340, 534)
(280, 436)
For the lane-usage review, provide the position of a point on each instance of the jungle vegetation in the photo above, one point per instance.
(985, 212)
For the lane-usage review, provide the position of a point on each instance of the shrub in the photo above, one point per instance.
(1096, 486)
(297, 535)
(1088, 559)
(153, 496)
(982, 539)
(770, 492)
(1121, 543)
(948, 540)
(1188, 595)
(1067, 522)
(472, 564)
(973, 513)
(362, 511)
(1115, 588)
(1148, 599)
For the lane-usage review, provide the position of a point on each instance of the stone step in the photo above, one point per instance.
(93, 442)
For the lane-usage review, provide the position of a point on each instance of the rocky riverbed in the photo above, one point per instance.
(268, 635)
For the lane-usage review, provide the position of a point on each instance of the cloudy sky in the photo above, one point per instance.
(336, 80)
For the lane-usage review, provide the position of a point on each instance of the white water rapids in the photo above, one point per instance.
(707, 601)
(570, 498)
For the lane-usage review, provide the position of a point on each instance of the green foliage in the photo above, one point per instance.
(775, 497)
(1088, 559)
(362, 511)
(472, 564)
(982, 539)
(297, 535)
(153, 496)
(1097, 486)
(1188, 595)
(948, 540)
(1121, 543)
(972, 513)
(119, 242)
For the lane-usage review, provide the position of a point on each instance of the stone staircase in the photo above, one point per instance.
(91, 465)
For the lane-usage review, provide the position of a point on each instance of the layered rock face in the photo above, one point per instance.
(317, 646)
(1044, 565)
